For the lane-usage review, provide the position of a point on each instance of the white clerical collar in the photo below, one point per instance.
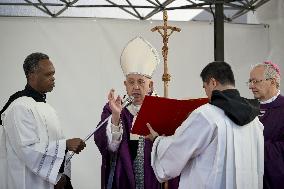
(271, 99)
(133, 109)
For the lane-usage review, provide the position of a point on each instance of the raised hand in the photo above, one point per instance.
(115, 106)
(75, 145)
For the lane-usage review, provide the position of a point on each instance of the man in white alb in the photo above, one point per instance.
(220, 144)
(33, 147)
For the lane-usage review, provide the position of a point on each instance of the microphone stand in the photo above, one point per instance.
(125, 103)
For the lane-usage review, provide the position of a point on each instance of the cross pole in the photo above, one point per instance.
(163, 30)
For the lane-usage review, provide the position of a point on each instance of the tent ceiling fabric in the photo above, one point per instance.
(181, 10)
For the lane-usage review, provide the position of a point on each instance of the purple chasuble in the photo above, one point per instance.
(273, 120)
(124, 177)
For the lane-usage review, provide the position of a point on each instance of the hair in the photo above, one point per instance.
(31, 62)
(271, 71)
(219, 70)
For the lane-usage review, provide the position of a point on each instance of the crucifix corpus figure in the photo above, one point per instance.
(163, 30)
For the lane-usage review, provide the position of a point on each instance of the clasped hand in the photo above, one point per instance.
(75, 145)
(153, 134)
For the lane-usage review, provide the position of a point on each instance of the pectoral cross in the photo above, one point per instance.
(163, 30)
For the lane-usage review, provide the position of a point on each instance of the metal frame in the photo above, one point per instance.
(240, 7)
(216, 7)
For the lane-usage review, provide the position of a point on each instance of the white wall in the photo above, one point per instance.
(86, 57)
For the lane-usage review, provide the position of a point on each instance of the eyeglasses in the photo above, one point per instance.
(140, 82)
(255, 81)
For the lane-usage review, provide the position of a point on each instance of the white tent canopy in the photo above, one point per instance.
(179, 10)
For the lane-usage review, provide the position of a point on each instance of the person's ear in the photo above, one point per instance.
(31, 77)
(214, 82)
(273, 81)
(151, 85)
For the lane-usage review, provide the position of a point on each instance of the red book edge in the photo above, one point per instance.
(164, 115)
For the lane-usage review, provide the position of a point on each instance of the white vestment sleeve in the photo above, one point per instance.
(3, 159)
(114, 134)
(32, 146)
(171, 154)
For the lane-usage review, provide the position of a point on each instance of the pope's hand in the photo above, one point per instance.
(153, 134)
(115, 106)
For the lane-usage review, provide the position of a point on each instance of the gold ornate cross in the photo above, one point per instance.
(163, 30)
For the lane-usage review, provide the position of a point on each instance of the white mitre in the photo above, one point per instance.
(139, 57)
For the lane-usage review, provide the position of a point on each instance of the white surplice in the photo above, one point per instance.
(210, 151)
(32, 146)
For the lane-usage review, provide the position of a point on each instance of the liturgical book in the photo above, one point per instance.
(164, 114)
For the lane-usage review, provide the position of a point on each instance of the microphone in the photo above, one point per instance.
(125, 102)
